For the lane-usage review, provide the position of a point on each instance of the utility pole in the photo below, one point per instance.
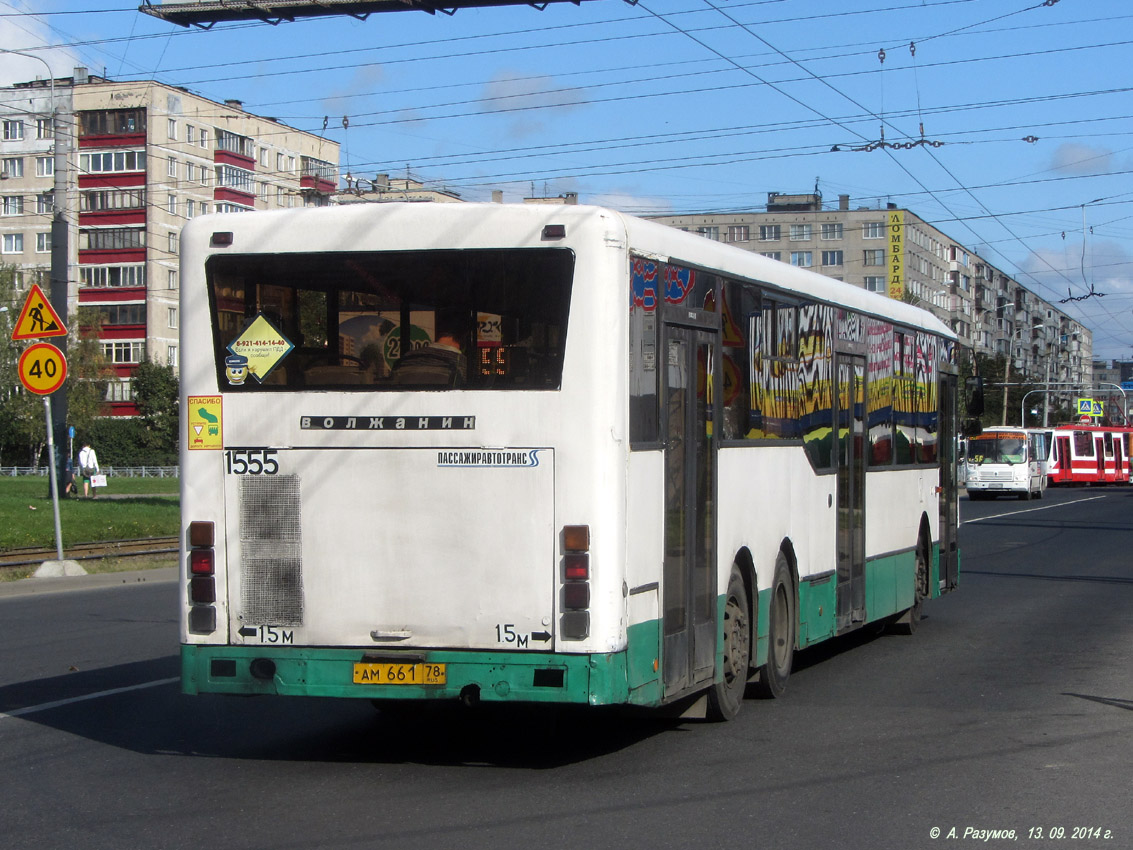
(61, 121)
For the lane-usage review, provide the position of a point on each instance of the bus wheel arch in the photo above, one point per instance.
(907, 622)
(725, 697)
(782, 625)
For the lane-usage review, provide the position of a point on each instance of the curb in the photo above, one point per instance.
(34, 586)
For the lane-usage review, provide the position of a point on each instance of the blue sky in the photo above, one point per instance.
(701, 105)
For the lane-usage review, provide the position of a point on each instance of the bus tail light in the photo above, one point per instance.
(575, 622)
(202, 578)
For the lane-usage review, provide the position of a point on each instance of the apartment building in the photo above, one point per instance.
(144, 158)
(893, 251)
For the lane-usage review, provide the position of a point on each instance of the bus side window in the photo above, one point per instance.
(644, 402)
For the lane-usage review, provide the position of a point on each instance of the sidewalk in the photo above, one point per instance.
(33, 586)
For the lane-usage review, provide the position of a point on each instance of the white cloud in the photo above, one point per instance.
(529, 99)
(29, 35)
(363, 82)
(1073, 158)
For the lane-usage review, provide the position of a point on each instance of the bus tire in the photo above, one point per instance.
(782, 625)
(907, 622)
(725, 698)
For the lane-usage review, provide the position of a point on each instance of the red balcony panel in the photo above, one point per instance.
(125, 370)
(96, 217)
(122, 408)
(113, 332)
(98, 257)
(114, 140)
(112, 181)
(235, 196)
(237, 159)
(110, 294)
(317, 184)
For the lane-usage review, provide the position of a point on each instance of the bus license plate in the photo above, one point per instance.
(370, 673)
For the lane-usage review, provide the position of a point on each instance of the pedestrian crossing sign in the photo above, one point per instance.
(38, 319)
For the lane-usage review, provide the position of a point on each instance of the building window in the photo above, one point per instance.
(204, 208)
(173, 317)
(112, 199)
(172, 130)
(832, 230)
(279, 163)
(111, 122)
(801, 258)
(44, 128)
(772, 255)
(242, 145)
(45, 203)
(112, 276)
(800, 232)
(123, 314)
(873, 230)
(738, 233)
(190, 208)
(171, 356)
(709, 232)
(172, 206)
(234, 178)
(12, 205)
(874, 257)
(204, 137)
(13, 130)
(12, 166)
(875, 284)
(770, 232)
(173, 242)
(172, 278)
(45, 166)
(112, 161)
(171, 168)
(264, 161)
(832, 258)
(112, 238)
(13, 243)
(123, 352)
(43, 243)
(119, 391)
(190, 134)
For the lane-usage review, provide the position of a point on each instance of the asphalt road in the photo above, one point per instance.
(1009, 709)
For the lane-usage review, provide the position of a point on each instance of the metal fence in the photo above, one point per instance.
(111, 471)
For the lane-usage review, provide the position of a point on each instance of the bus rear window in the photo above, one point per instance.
(399, 320)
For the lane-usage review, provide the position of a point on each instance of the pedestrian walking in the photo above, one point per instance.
(88, 466)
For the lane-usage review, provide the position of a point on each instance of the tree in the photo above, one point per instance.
(22, 426)
(156, 393)
(89, 371)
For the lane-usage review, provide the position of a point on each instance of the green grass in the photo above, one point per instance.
(27, 519)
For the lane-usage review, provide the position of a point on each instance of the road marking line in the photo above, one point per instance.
(1029, 510)
(31, 709)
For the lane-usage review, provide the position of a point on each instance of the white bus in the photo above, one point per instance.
(543, 454)
(1006, 460)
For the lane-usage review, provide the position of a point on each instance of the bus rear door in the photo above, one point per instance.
(690, 523)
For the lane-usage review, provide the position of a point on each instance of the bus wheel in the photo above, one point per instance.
(781, 625)
(907, 622)
(726, 697)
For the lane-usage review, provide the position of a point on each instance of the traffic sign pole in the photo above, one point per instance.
(54, 478)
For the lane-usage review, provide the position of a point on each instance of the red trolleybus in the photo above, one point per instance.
(1091, 454)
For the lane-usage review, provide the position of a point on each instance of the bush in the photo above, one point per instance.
(124, 442)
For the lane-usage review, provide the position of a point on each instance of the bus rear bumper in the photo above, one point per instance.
(598, 679)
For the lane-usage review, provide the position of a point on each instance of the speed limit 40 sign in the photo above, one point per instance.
(43, 368)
